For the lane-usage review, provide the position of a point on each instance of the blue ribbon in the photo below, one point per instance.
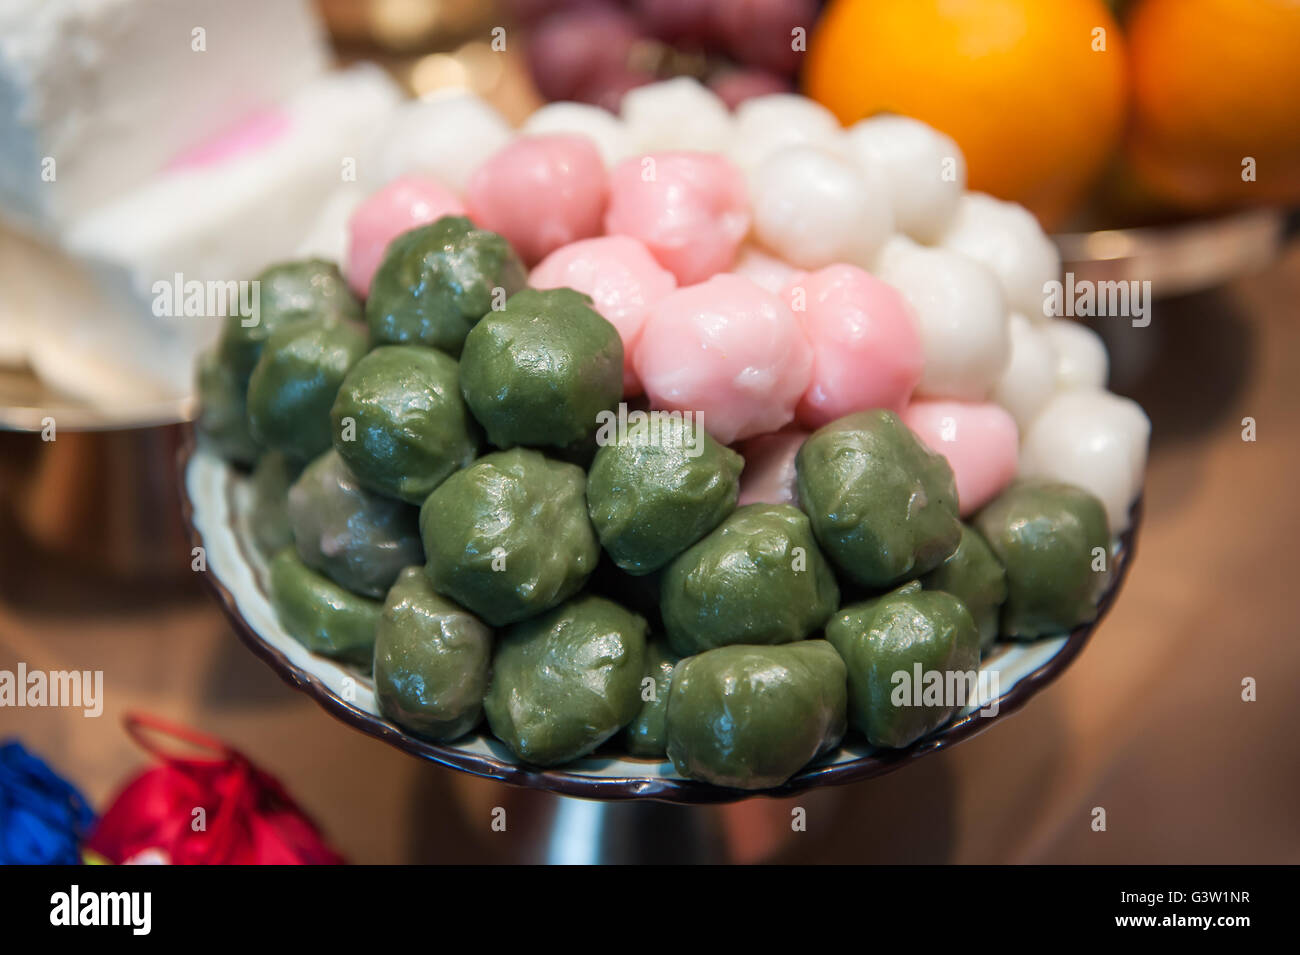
(43, 818)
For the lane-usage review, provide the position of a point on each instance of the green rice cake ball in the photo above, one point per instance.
(296, 380)
(887, 642)
(357, 538)
(974, 575)
(400, 422)
(647, 734)
(321, 615)
(1053, 541)
(436, 281)
(566, 681)
(223, 410)
(751, 717)
(269, 513)
(882, 504)
(508, 537)
(432, 660)
(286, 292)
(657, 488)
(539, 371)
(758, 578)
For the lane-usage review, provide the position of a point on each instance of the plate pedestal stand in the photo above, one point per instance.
(546, 828)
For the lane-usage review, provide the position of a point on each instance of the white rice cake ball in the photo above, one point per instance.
(1081, 359)
(601, 126)
(960, 314)
(924, 169)
(766, 124)
(1029, 380)
(1094, 440)
(814, 209)
(446, 137)
(676, 114)
(1008, 239)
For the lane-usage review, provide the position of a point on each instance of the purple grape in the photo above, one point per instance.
(687, 22)
(758, 32)
(570, 49)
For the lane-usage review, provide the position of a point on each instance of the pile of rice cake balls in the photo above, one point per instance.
(676, 434)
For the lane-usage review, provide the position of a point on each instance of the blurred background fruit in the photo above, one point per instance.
(585, 54)
(1214, 82)
(1092, 113)
(593, 51)
(1033, 92)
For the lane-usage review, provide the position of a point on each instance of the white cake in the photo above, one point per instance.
(170, 162)
(222, 221)
(112, 90)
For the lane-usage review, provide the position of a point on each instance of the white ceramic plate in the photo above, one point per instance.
(217, 498)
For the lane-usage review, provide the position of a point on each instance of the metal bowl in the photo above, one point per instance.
(1179, 258)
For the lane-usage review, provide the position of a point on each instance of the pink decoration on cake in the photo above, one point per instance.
(256, 131)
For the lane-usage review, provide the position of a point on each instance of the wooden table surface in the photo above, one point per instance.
(1149, 723)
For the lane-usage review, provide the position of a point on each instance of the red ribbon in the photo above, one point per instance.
(247, 817)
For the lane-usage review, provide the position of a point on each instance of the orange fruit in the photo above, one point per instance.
(1213, 83)
(1029, 89)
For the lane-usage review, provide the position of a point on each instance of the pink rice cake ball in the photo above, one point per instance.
(769, 475)
(540, 193)
(730, 351)
(867, 352)
(623, 280)
(980, 441)
(767, 270)
(690, 209)
(402, 205)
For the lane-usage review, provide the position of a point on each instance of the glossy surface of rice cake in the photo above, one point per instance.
(903, 631)
(751, 717)
(1051, 538)
(540, 371)
(882, 504)
(658, 489)
(690, 210)
(400, 422)
(566, 681)
(357, 538)
(508, 537)
(437, 281)
(432, 660)
(540, 192)
(759, 578)
(728, 350)
(866, 349)
(979, 440)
